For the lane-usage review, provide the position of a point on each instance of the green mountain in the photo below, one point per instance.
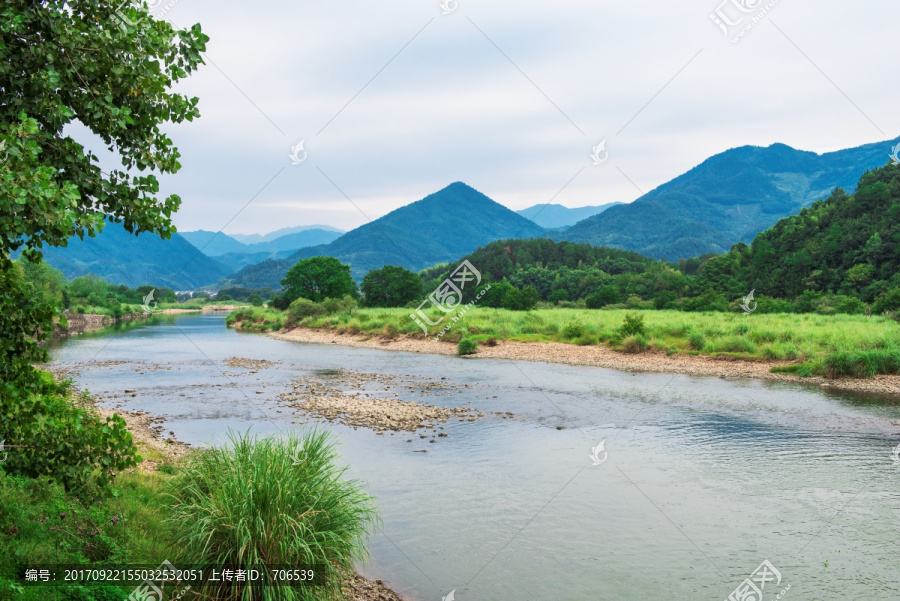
(439, 228)
(123, 258)
(847, 245)
(557, 216)
(728, 198)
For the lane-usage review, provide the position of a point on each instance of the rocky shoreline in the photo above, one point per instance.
(598, 356)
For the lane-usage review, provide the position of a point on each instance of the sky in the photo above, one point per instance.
(395, 100)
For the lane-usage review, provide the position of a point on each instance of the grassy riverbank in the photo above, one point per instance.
(248, 502)
(806, 344)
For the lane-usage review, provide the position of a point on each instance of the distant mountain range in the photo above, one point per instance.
(728, 198)
(257, 238)
(216, 244)
(123, 258)
(439, 228)
(557, 216)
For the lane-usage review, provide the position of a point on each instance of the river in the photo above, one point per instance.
(699, 480)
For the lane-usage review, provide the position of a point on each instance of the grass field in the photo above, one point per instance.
(832, 345)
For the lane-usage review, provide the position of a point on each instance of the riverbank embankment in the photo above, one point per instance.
(599, 356)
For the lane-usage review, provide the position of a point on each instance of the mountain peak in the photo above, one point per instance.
(441, 227)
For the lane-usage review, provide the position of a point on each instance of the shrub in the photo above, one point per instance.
(634, 344)
(710, 301)
(391, 331)
(467, 346)
(890, 301)
(301, 308)
(696, 341)
(636, 302)
(665, 299)
(280, 303)
(343, 306)
(270, 501)
(572, 330)
(72, 445)
(633, 324)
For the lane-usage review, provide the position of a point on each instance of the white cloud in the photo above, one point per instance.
(451, 107)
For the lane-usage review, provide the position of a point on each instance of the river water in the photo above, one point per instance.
(701, 479)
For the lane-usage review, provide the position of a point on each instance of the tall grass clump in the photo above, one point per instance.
(267, 502)
(467, 346)
(862, 363)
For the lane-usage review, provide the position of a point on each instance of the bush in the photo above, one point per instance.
(636, 302)
(302, 308)
(280, 303)
(572, 330)
(665, 299)
(391, 331)
(633, 324)
(73, 446)
(344, 306)
(890, 301)
(634, 344)
(710, 301)
(270, 501)
(696, 341)
(467, 346)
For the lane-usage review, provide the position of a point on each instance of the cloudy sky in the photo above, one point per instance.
(395, 100)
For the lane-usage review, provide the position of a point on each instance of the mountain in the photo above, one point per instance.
(296, 240)
(439, 228)
(214, 243)
(123, 258)
(726, 199)
(558, 216)
(217, 244)
(257, 238)
(244, 259)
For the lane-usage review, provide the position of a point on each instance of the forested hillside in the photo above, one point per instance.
(847, 245)
(841, 254)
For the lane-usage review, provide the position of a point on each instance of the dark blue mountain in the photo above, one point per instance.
(728, 198)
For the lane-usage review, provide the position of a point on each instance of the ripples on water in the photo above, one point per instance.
(705, 478)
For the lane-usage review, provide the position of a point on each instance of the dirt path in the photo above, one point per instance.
(598, 356)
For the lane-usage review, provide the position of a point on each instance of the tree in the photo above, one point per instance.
(559, 295)
(67, 62)
(61, 63)
(318, 278)
(391, 286)
(607, 295)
